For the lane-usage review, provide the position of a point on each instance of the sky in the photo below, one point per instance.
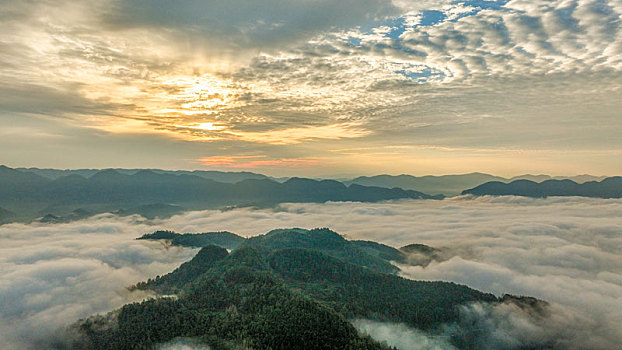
(313, 87)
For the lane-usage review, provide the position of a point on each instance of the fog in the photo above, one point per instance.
(52, 275)
(401, 336)
(567, 251)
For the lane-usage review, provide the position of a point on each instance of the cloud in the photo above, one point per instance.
(401, 336)
(563, 250)
(251, 24)
(182, 344)
(251, 162)
(501, 326)
(53, 275)
(513, 76)
(510, 326)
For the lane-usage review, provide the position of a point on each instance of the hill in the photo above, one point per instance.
(610, 187)
(281, 290)
(222, 239)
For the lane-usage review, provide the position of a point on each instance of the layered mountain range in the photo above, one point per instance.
(150, 193)
(451, 185)
(54, 196)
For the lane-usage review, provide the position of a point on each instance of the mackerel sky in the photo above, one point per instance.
(313, 88)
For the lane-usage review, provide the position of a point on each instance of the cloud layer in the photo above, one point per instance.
(563, 250)
(53, 275)
(451, 84)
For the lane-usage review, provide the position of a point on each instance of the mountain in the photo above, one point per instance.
(381, 251)
(5, 215)
(152, 211)
(373, 255)
(287, 289)
(77, 214)
(222, 239)
(417, 254)
(13, 183)
(323, 240)
(157, 193)
(451, 185)
(448, 185)
(219, 176)
(610, 187)
(540, 178)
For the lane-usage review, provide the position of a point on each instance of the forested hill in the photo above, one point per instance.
(153, 193)
(370, 254)
(222, 239)
(610, 187)
(288, 289)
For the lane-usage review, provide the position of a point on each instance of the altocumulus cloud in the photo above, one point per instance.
(563, 250)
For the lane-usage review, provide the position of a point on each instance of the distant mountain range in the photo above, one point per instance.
(288, 289)
(448, 185)
(219, 176)
(158, 193)
(451, 185)
(65, 195)
(610, 187)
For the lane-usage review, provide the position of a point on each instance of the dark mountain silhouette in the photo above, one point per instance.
(451, 185)
(446, 184)
(77, 214)
(154, 193)
(219, 176)
(610, 187)
(152, 211)
(539, 178)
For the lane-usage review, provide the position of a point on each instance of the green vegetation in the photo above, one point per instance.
(223, 239)
(288, 289)
(323, 240)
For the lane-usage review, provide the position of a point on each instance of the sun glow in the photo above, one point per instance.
(208, 126)
(202, 93)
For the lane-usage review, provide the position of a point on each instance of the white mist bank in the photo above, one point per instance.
(567, 251)
(52, 275)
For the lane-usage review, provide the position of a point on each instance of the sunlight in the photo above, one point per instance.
(201, 93)
(208, 126)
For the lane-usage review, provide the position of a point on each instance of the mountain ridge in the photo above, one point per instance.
(450, 185)
(156, 194)
(610, 187)
(229, 300)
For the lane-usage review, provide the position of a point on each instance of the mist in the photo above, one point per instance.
(566, 251)
(53, 275)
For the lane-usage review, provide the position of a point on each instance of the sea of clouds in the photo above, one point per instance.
(567, 251)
